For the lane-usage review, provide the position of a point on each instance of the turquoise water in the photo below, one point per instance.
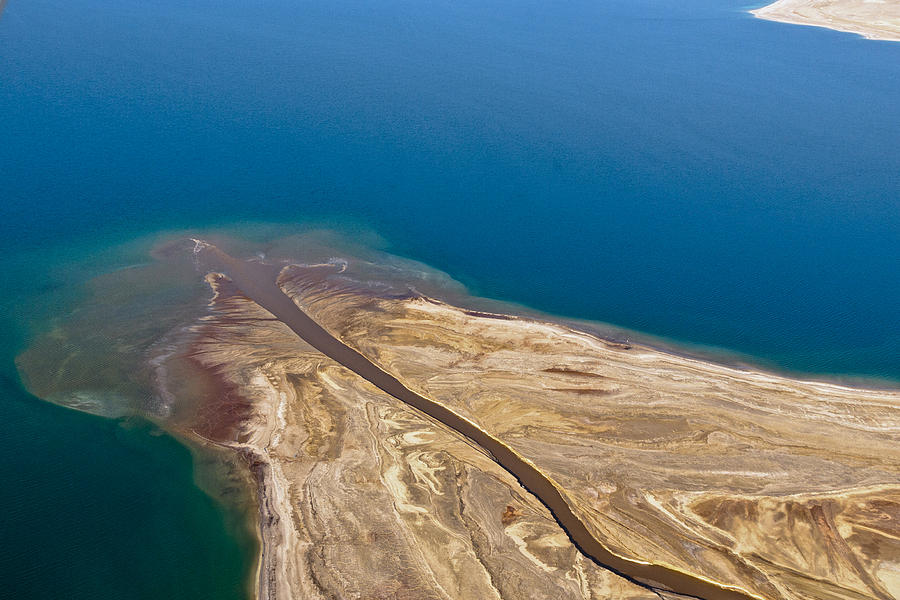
(677, 168)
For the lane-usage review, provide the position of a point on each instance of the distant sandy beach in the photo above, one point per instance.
(872, 19)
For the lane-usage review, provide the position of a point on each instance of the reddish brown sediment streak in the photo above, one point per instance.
(222, 408)
(259, 283)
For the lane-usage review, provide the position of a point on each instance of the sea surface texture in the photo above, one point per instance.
(675, 168)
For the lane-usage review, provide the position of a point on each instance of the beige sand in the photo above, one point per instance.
(872, 19)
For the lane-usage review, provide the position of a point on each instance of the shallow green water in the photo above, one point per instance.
(94, 507)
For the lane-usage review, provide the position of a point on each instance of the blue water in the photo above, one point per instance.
(677, 168)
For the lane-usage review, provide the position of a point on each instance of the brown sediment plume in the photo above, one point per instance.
(259, 283)
(222, 407)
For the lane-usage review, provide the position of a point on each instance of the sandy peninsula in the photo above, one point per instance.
(872, 19)
(747, 484)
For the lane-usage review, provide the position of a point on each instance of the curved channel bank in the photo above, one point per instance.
(259, 283)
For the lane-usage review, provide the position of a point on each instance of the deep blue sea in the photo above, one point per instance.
(676, 168)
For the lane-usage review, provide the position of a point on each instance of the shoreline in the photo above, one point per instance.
(455, 293)
(877, 21)
(703, 353)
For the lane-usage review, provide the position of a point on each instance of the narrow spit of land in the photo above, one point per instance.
(259, 283)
